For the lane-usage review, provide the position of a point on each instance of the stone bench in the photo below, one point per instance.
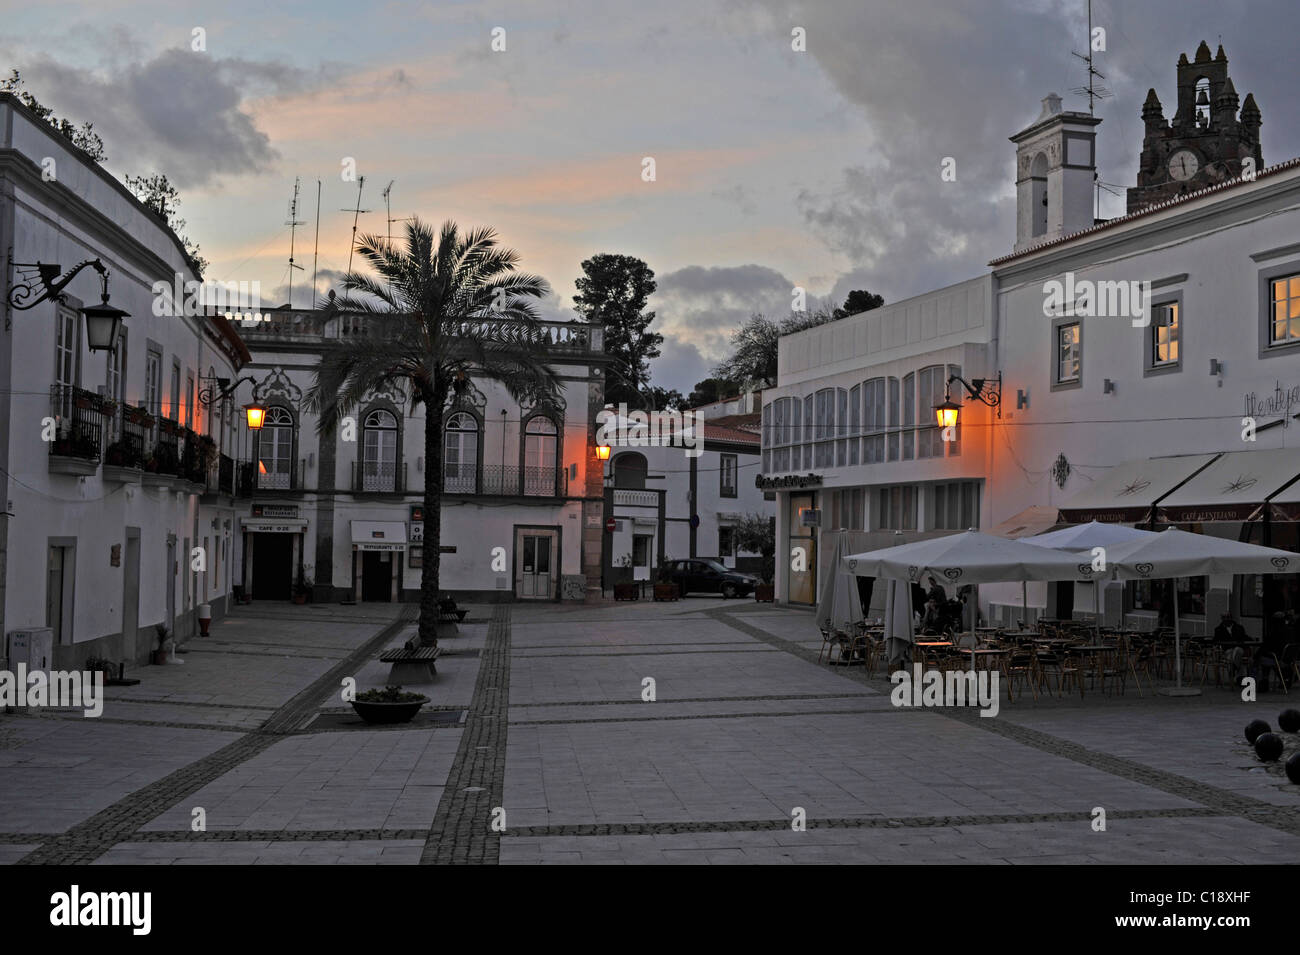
(411, 664)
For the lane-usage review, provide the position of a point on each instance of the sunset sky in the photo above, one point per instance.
(774, 168)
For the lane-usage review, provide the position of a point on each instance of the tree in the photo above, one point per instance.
(664, 399)
(709, 390)
(755, 345)
(614, 291)
(448, 307)
(756, 533)
(83, 137)
(859, 300)
(157, 193)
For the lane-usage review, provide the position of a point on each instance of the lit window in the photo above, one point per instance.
(1068, 352)
(1284, 329)
(1164, 335)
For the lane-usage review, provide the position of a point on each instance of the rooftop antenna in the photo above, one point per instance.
(315, 252)
(293, 224)
(388, 204)
(1092, 91)
(356, 214)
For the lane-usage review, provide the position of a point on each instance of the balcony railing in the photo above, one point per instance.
(82, 419)
(226, 474)
(504, 481)
(260, 476)
(379, 477)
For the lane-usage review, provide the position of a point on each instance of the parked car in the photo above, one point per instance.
(710, 577)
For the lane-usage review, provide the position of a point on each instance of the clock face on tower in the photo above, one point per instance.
(1183, 165)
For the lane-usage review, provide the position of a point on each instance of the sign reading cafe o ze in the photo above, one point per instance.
(789, 480)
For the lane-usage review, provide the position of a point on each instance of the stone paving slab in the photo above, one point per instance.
(327, 852)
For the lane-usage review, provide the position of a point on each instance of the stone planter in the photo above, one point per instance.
(388, 713)
(666, 592)
(765, 593)
(627, 591)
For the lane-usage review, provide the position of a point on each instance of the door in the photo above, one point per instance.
(54, 594)
(131, 595)
(272, 576)
(377, 575)
(170, 568)
(536, 576)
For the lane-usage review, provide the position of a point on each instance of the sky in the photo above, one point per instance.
(774, 167)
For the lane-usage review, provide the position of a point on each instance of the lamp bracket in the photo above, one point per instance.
(38, 282)
(976, 388)
(218, 388)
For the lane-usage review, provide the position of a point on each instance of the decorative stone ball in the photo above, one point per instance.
(1253, 730)
(1268, 747)
(1289, 720)
(1293, 768)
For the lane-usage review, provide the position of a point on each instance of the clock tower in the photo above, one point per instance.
(1206, 143)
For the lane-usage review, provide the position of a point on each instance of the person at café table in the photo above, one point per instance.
(1232, 635)
(936, 593)
(1270, 651)
(933, 621)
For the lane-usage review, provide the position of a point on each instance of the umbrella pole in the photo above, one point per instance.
(1178, 689)
(1096, 608)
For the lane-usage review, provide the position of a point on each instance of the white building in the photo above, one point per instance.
(118, 480)
(521, 508)
(668, 504)
(1108, 410)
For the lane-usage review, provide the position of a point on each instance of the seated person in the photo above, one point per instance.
(1229, 631)
(933, 620)
(1267, 658)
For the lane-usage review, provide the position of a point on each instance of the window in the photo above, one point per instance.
(1069, 352)
(189, 419)
(727, 475)
(809, 413)
(1165, 335)
(1284, 296)
(630, 470)
(379, 451)
(894, 415)
(539, 457)
(929, 438)
(174, 410)
(780, 435)
(153, 383)
(767, 438)
(909, 415)
(641, 550)
(115, 383)
(825, 418)
(897, 508)
(67, 358)
(954, 446)
(726, 542)
(956, 506)
(841, 427)
(847, 509)
(275, 450)
(874, 418)
(460, 454)
(855, 423)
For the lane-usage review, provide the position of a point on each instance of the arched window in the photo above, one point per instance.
(539, 457)
(630, 470)
(460, 454)
(275, 450)
(1038, 206)
(379, 451)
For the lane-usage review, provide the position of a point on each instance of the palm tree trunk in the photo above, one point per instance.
(429, 574)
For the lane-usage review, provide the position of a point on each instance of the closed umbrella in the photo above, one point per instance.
(1174, 553)
(900, 631)
(840, 607)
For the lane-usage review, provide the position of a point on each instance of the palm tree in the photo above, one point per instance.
(448, 308)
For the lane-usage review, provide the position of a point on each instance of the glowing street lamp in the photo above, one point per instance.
(946, 413)
(256, 415)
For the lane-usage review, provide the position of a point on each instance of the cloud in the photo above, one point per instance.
(326, 279)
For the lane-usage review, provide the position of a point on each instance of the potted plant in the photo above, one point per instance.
(389, 705)
(623, 569)
(302, 589)
(665, 588)
(160, 654)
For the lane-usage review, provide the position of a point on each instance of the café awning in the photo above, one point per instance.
(378, 535)
(1233, 488)
(1127, 492)
(1032, 520)
(1285, 504)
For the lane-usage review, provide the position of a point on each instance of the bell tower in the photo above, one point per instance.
(1205, 143)
(1056, 164)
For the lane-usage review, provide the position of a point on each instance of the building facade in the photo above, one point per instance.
(1148, 370)
(340, 514)
(119, 480)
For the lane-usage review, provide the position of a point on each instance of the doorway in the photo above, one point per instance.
(272, 571)
(59, 588)
(535, 572)
(803, 550)
(131, 592)
(377, 575)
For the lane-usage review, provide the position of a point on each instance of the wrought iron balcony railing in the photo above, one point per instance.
(379, 477)
(503, 481)
(82, 420)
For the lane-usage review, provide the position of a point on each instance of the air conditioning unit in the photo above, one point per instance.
(33, 647)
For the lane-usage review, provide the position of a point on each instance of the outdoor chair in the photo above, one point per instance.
(1073, 669)
(1021, 667)
(1139, 661)
(1290, 663)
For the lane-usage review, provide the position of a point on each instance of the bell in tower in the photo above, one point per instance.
(1055, 169)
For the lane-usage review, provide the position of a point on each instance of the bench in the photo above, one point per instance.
(411, 664)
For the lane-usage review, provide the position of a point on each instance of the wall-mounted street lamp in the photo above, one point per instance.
(602, 452)
(40, 282)
(212, 389)
(983, 390)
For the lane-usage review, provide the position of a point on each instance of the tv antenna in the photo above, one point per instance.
(1092, 90)
(315, 253)
(388, 205)
(293, 224)
(356, 214)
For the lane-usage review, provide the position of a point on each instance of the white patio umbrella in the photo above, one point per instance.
(900, 628)
(1085, 537)
(1174, 553)
(840, 607)
(968, 558)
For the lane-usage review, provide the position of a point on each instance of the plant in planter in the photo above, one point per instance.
(665, 588)
(163, 633)
(389, 705)
(302, 589)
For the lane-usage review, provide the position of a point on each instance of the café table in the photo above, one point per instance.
(1094, 652)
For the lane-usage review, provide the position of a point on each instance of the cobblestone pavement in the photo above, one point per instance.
(700, 731)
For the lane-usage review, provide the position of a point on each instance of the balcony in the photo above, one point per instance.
(260, 477)
(504, 481)
(81, 419)
(378, 477)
